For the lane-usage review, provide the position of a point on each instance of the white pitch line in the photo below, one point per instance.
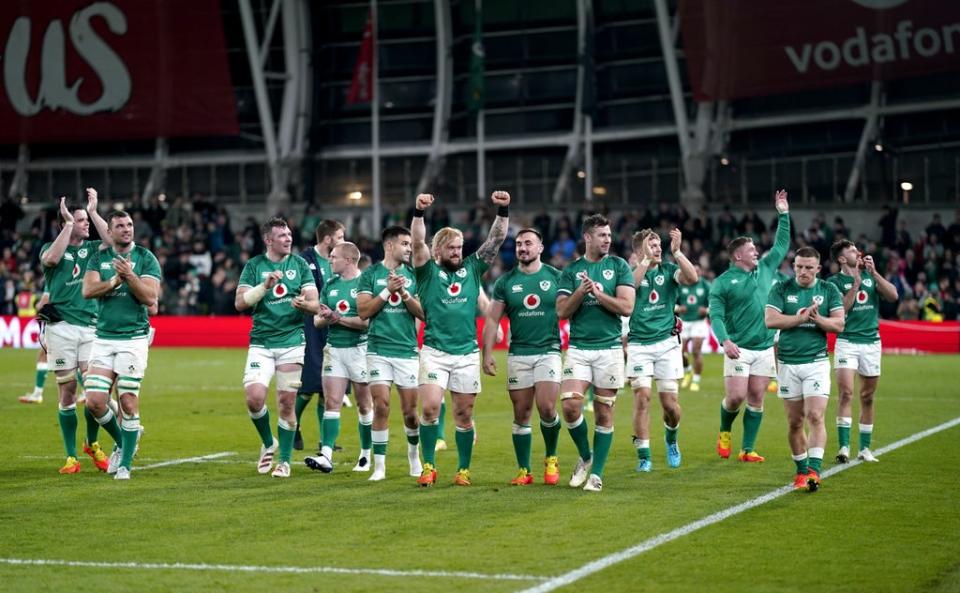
(271, 569)
(658, 540)
(199, 459)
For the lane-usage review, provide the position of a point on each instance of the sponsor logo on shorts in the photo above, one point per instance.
(131, 368)
(254, 365)
(638, 368)
(568, 372)
(784, 390)
(60, 362)
(513, 380)
(432, 376)
(374, 373)
(411, 378)
(608, 274)
(611, 378)
(291, 274)
(816, 384)
(328, 368)
(552, 373)
(738, 368)
(841, 361)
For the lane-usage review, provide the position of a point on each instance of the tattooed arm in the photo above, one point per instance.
(498, 231)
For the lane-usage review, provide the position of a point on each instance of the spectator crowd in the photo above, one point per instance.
(202, 249)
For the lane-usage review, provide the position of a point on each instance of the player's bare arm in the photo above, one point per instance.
(834, 323)
(52, 256)
(418, 232)
(620, 303)
(145, 290)
(498, 230)
(688, 273)
(307, 301)
(491, 323)
(643, 262)
(777, 320)
(885, 288)
(567, 305)
(95, 219)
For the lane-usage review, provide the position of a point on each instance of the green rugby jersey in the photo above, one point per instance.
(652, 320)
(449, 301)
(121, 316)
(863, 319)
(276, 323)
(340, 295)
(531, 305)
(693, 297)
(393, 330)
(737, 298)
(806, 342)
(64, 282)
(592, 326)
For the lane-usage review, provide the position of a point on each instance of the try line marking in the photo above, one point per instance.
(199, 459)
(272, 569)
(658, 540)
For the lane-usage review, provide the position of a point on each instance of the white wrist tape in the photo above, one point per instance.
(384, 294)
(255, 295)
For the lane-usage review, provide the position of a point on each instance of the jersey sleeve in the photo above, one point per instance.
(837, 281)
(248, 277)
(566, 284)
(478, 267)
(45, 247)
(718, 312)
(781, 243)
(673, 271)
(151, 268)
(775, 297)
(624, 275)
(303, 268)
(365, 284)
(835, 298)
(499, 292)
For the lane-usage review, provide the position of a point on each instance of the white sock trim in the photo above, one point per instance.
(380, 437)
(260, 414)
(575, 423)
(799, 457)
(550, 423)
(866, 428)
(106, 418)
(641, 443)
(366, 418)
(844, 422)
(281, 423)
(604, 429)
(815, 452)
(331, 415)
(755, 410)
(520, 429)
(411, 432)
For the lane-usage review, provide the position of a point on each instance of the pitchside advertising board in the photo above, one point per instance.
(742, 48)
(234, 332)
(77, 70)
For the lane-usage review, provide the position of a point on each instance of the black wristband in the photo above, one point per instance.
(503, 211)
(417, 213)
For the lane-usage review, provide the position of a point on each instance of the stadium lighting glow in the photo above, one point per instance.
(724, 161)
(162, 198)
(878, 147)
(906, 186)
(599, 190)
(119, 206)
(581, 174)
(355, 195)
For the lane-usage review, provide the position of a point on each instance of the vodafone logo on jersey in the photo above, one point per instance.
(280, 290)
(394, 299)
(454, 289)
(862, 296)
(691, 300)
(654, 297)
(76, 270)
(531, 301)
(342, 306)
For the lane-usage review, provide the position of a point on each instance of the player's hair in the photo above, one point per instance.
(530, 230)
(267, 228)
(808, 252)
(348, 250)
(327, 228)
(593, 221)
(737, 243)
(640, 236)
(444, 236)
(114, 214)
(71, 208)
(837, 248)
(392, 232)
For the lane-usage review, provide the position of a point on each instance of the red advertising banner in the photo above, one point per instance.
(78, 70)
(905, 337)
(742, 48)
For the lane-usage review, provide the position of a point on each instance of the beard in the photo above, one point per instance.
(526, 259)
(449, 265)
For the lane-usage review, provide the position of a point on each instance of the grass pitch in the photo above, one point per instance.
(215, 524)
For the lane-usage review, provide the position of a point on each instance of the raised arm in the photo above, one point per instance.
(885, 288)
(781, 242)
(850, 297)
(54, 253)
(498, 230)
(688, 273)
(95, 219)
(418, 231)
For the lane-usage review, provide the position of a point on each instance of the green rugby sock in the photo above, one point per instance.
(726, 418)
(581, 437)
(522, 443)
(464, 438)
(551, 435)
(67, 417)
(602, 440)
(751, 426)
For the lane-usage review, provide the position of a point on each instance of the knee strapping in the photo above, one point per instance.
(68, 378)
(288, 380)
(570, 395)
(129, 385)
(607, 400)
(667, 386)
(640, 382)
(97, 383)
